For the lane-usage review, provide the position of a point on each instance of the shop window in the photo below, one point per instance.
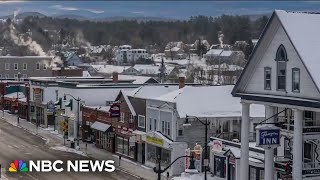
(122, 146)
(219, 166)
(287, 148)
(262, 174)
(253, 173)
(141, 121)
(153, 151)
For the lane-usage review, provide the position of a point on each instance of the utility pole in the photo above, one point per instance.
(18, 98)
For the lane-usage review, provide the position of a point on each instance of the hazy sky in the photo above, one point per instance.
(166, 9)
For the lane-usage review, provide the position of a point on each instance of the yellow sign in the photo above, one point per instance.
(155, 140)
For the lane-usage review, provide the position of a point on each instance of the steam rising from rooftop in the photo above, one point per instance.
(220, 37)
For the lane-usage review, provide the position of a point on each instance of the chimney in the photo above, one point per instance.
(115, 77)
(181, 81)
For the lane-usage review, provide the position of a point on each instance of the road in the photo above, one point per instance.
(15, 143)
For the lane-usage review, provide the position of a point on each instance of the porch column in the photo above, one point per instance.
(297, 144)
(269, 153)
(244, 160)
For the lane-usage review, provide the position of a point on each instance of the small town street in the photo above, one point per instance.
(16, 143)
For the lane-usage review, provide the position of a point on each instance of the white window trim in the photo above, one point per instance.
(44, 66)
(122, 116)
(7, 66)
(144, 117)
(6, 76)
(25, 76)
(37, 66)
(14, 66)
(25, 66)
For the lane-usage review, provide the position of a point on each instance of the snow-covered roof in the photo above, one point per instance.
(173, 49)
(136, 79)
(219, 52)
(303, 30)
(209, 101)
(14, 95)
(151, 69)
(152, 91)
(125, 96)
(100, 108)
(108, 69)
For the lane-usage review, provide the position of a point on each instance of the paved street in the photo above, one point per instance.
(16, 143)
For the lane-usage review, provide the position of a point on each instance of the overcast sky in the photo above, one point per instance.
(165, 9)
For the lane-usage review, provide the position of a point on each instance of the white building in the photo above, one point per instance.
(125, 54)
(283, 75)
(166, 115)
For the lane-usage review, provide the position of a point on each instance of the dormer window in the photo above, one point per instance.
(281, 58)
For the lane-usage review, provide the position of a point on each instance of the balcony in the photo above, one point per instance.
(310, 126)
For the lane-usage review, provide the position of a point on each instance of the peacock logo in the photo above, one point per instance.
(18, 166)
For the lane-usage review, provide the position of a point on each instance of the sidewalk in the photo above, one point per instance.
(55, 140)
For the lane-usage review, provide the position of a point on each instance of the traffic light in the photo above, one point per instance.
(288, 168)
(65, 127)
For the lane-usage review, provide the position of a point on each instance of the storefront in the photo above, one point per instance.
(158, 145)
(140, 146)
(225, 161)
(104, 137)
(125, 144)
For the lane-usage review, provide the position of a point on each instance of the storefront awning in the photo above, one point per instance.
(100, 126)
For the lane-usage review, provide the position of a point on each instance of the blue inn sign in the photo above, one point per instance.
(269, 137)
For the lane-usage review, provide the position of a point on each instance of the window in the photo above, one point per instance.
(130, 118)
(309, 118)
(168, 128)
(38, 66)
(281, 59)
(150, 124)
(7, 66)
(15, 76)
(122, 117)
(0, 75)
(180, 132)
(253, 174)
(24, 66)
(295, 80)
(15, 66)
(24, 76)
(219, 166)
(141, 121)
(155, 124)
(6, 76)
(267, 78)
(162, 127)
(44, 66)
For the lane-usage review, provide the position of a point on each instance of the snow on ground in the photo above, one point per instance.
(185, 176)
(66, 149)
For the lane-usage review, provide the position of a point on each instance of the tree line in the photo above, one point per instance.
(140, 34)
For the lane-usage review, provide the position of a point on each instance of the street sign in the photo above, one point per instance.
(51, 106)
(115, 110)
(268, 136)
(206, 162)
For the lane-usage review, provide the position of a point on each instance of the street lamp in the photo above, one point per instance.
(76, 123)
(19, 74)
(206, 124)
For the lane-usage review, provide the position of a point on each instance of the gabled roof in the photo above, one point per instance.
(125, 96)
(150, 91)
(208, 101)
(302, 30)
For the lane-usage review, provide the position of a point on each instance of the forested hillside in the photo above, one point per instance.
(137, 34)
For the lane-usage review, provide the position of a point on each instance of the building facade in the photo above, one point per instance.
(28, 66)
(282, 74)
